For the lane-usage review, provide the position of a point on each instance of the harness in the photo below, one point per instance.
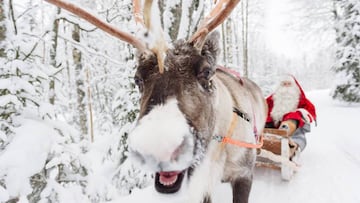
(227, 138)
(223, 140)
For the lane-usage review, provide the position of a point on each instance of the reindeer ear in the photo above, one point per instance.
(211, 48)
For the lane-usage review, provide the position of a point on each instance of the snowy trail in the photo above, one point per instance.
(330, 169)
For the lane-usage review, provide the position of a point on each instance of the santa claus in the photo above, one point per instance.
(291, 110)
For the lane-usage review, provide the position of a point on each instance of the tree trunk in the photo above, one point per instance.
(172, 29)
(245, 36)
(229, 44)
(224, 50)
(90, 105)
(183, 19)
(53, 58)
(80, 89)
(2, 30)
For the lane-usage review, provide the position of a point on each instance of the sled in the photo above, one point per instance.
(278, 153)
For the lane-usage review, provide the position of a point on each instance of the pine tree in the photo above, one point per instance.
(347, 68)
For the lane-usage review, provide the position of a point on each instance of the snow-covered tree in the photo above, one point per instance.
(347, 67)
(21, 80)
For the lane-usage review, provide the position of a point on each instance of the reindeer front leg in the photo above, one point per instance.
(241, 180)
(207, 199)
(241, 189)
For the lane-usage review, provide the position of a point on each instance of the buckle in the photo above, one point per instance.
(218, 138)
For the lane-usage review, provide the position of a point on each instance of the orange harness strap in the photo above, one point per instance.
(230, 131)
(227, 138)
(244, 144)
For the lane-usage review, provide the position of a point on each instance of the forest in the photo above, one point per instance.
(67, 94)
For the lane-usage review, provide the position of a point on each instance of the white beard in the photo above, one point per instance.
(286, 99)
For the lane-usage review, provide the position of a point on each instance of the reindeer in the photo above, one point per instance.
(198, 124)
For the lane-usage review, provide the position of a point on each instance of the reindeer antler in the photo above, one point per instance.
(220, 12)
(144, 19)
(100, 24)
(160, 45)
(139, 18)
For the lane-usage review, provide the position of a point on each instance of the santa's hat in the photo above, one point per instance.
(292, 79)
(287, 77)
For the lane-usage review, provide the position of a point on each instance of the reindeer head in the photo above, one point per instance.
(177, 105)
(176, 111)
(177, 114)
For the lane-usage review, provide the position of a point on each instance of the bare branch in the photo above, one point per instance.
(99, 23)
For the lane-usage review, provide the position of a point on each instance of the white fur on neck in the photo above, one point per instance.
(206, 176)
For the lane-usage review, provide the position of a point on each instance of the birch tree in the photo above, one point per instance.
(53, 49)
(245, 32)
(180, 18)
(80, 87)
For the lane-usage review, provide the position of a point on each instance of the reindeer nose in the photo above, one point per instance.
(142, 160)
(151, 159)
(149, 162)
(155, 162)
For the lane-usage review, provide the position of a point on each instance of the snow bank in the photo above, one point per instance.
(24, 157)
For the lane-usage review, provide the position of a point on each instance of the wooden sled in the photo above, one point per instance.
(276, 153)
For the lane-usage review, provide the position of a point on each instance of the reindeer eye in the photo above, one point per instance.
(139, 82)
(206, 73)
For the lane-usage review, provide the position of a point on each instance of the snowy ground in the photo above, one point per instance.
(330, 169)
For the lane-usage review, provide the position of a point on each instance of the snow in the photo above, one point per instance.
(329, 170)
(4, 100)
(25, 156)
(76, 170)
(329, 165)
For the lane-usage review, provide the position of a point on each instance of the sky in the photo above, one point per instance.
(329, 170)
(273, 22)
(292, 29)
(280, 40)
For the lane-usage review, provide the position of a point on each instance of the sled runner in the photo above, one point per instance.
(278, 152)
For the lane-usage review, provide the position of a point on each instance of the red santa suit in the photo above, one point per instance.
(289, 102)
